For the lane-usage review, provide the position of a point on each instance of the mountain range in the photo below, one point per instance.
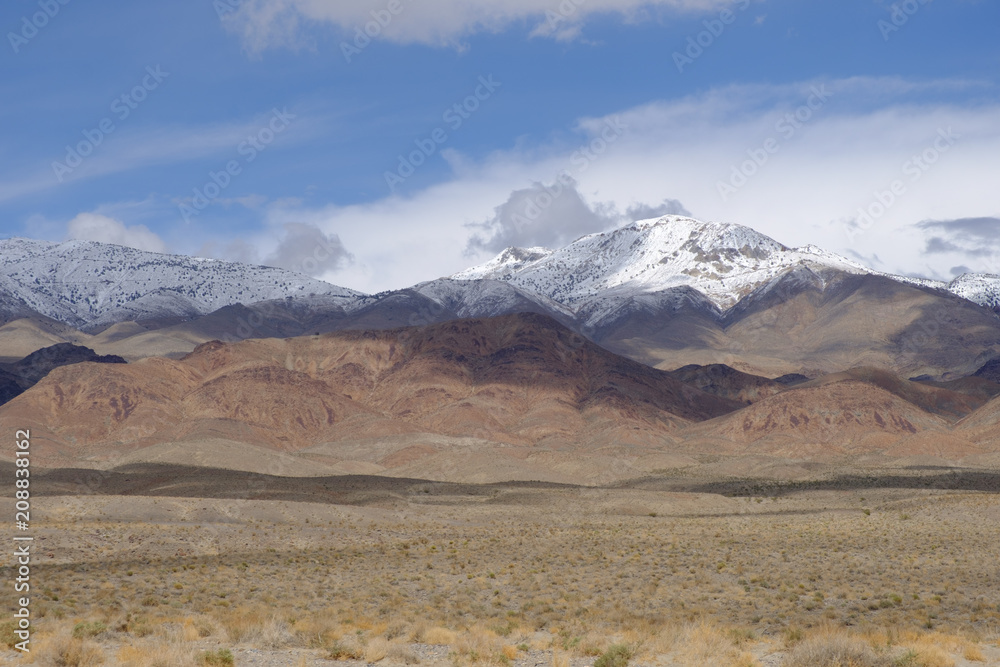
(667, 292)
(624, 352)
(92, 285)
(485, 399)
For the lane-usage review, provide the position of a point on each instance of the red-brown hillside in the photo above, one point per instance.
(518, 379)
(827, 419)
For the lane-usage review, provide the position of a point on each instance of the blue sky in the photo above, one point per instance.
(612, 101)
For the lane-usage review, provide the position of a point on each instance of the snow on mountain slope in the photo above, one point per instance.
(617, 305)
(510, 260)
(723, 261)
(12, 307)
(981, 288)
(88, 284)
(486, 298)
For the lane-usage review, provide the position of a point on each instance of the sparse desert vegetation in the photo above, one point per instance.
(522, 575)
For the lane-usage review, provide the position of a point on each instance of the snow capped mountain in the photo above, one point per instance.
(981, 288)
(725, 262)
(648, 268)
(88, 284)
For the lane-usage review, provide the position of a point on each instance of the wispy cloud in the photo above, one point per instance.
(975, 241)
(264, 24)
(130, 149)
(970, 230)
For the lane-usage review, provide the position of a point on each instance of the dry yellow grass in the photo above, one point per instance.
(256, 626)
(705, 645)
(835, 649)
(157, 654)
(973, 653)
(706, 581)
(400, 653)
(64, 650)
(479, 645)
(439, 636)
(376, 649)
(190, 630)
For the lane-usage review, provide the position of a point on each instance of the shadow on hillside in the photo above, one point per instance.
(193, 482)
(959, 480)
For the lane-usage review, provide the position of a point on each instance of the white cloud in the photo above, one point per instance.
(235, 250)
(848, 151)
(297, 246)
(546, 215)
(306, 249)
(96, 227)
(552, 215)
(269, 23)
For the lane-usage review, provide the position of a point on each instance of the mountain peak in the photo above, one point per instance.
(724, 261)
(707, 234)
(509, 260)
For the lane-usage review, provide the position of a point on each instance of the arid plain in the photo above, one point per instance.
(889, 567)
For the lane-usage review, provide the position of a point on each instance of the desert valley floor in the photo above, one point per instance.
(682, 567)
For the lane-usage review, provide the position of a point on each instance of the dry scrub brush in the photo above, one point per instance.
(569, 575)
